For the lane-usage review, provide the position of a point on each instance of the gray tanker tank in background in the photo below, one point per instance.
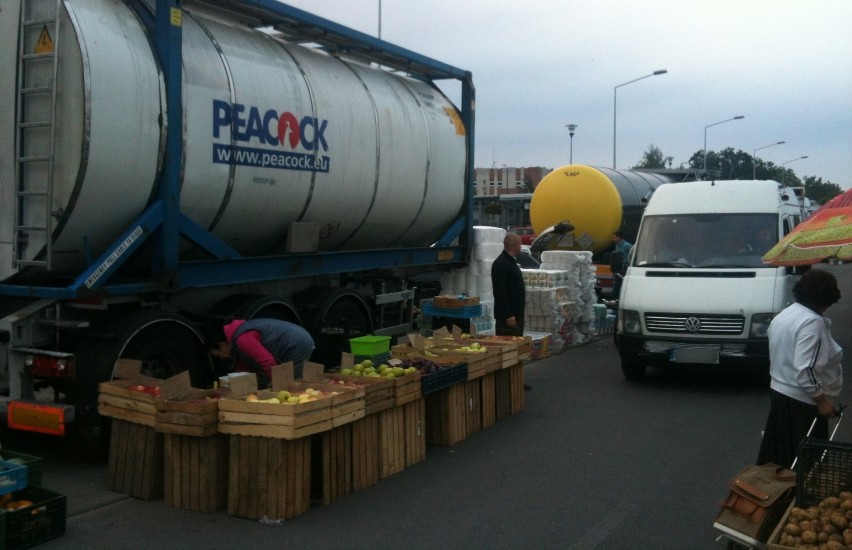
(274, 133)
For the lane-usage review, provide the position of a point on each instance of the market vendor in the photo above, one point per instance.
(257, 345)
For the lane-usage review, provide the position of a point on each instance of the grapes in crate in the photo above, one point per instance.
(425, 366)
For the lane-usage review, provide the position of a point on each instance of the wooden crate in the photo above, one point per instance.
(116, 399)
(269, 478)
(135, 460)
(516, 387)
(194, 415)
(391, 441)
(414, 414)
(407, 389)
(240, 417)
(445, 416)
(488, 386)
(473, 406)
(196, 472)
(331, 464)
(502, 394)
(378, 392)
(365, 452)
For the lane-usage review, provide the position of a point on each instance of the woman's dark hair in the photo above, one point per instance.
(817, 289)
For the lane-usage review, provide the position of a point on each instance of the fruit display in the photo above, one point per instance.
(10, 504)
(366, 368)
(285, 397)
(212, 395)
(826, 526)
(150, 390)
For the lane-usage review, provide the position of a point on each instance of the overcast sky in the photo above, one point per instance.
(786, 65)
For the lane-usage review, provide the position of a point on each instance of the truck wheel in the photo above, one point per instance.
(632, 367)
(164, 342)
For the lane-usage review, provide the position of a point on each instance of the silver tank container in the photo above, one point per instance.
(274, 133)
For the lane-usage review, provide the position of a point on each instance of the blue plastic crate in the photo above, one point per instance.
(13, 477)
(465, 312)
(443, 377)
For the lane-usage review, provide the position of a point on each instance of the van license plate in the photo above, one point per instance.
(694, 355)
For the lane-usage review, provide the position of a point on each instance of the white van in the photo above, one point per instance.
(696, 290)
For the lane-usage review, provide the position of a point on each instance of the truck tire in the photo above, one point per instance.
(166, 344)
(633, 367)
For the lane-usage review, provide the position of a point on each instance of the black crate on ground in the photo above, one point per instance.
(43, 521)
(823, 470)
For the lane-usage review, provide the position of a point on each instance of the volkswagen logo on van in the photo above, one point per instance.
(692, 324)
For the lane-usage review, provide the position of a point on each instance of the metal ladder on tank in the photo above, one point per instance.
(36, 134)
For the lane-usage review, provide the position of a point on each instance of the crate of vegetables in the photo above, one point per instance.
(132, 396)
(377, 382)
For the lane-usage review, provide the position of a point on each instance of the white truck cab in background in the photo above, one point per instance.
(696, 290)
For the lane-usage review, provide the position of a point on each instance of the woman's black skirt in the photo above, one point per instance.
(788, 423)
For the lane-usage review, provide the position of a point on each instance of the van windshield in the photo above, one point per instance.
(705, 240)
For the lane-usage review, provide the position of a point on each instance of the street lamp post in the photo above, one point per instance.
(738, 117)
(754, 157)
(571, 128)
(614, 101)
(784, 172)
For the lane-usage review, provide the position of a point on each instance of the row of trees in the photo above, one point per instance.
(739, 165)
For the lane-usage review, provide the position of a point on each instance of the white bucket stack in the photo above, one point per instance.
(475, 279)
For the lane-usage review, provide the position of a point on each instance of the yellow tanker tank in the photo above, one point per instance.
(596, 201)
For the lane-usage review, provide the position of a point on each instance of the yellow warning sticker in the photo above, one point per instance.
(45, 42)
(176, 17)
(456, 120)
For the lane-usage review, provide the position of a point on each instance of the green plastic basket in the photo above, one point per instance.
(369, 345)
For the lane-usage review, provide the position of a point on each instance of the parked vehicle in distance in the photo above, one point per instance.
(527, 234)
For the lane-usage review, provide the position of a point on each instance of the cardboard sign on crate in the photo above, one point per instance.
(333, 405)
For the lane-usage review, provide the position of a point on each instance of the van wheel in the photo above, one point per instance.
(632, 367)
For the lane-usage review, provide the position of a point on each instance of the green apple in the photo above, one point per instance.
(398, 371)
(367, 363)
(283, 395)
(346, 371)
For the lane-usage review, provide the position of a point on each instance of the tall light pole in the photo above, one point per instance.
(380, 19)
(784, 172)
(571, 128)
(754, 157)
(738, 117)
(614, 101)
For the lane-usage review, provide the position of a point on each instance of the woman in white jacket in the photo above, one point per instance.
(805, 370)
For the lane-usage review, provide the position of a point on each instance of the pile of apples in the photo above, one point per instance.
(366, 368)
(474, 347)
(284, 397)
(150, 390)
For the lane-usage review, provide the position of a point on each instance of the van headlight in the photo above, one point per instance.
(628, 321)
(760, 325)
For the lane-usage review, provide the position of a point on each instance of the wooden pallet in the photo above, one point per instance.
(135, 460)
(365, 452)
(445, 416)
(331, 464)
(414, 415)
(269, 478)
(196, 472)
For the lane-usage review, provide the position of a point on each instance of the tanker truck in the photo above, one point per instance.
(168, 165)
(579, 207)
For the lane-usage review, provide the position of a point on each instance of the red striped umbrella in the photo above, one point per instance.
(826, 234)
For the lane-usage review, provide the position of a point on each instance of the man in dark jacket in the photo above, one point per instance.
(509, 293)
